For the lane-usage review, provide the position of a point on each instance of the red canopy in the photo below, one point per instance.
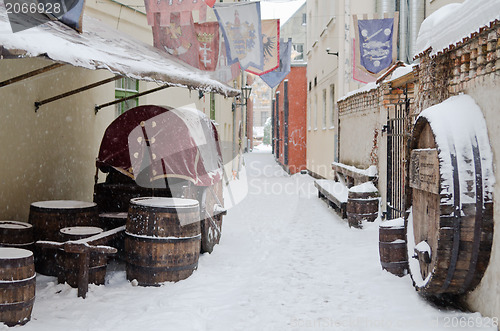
(151, 144)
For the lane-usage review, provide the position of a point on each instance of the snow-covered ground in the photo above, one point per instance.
(285, 262)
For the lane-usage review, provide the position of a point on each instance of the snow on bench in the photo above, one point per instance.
(353, 175)
(335, 193)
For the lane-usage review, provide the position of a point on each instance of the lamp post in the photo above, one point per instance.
(245, 94)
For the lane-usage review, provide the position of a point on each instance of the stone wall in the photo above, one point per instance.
(472, 67)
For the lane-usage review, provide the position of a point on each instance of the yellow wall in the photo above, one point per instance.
(49, 154)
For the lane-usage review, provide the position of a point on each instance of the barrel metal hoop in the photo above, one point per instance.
(8, 285)
(167, 269)
(15, 306)
(392, 245)
(457, 219)
(394, 264)
(163, 240)
(479, 215)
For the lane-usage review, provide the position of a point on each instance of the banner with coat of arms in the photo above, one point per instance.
(177, 40)
(241, 27)
(273, 78)
(270, 42)
(376, 39)
(207, 36)
(185, 8)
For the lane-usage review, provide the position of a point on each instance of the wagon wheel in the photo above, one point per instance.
(211, 217)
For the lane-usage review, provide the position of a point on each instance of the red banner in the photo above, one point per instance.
(176, 39)
(165, 7)
(207, 35)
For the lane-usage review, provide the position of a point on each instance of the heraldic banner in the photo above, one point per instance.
(270, 38)
(207, 36)
(376, 40)
(163, 8)
(273, 78)
(241, 27)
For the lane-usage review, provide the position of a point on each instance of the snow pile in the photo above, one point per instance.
(454, 22)
(401, 71)
(63, 204)
(371, 171)
(395, 223)
(365, 88)
(262, 148)
(367, 187)
(460, 132)
(336, 189)
(423, 247)
(7, 253)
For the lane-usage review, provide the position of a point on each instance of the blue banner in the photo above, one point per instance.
(376, 43)
(275, 77)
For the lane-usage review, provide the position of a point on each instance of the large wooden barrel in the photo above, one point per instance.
(17, 285)
(162, 241)
(392, 247)
(362, 204)
(48, 217)
(69, 262)
(16, 234)
(450, 228)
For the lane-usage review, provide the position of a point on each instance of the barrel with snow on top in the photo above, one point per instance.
(17, 285)
(392, 247)
(162, 239)
(362, 204)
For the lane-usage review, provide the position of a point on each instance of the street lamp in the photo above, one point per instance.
(245, 94)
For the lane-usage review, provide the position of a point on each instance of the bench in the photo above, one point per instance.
(83, 247)
(335, 193)
(355, 176)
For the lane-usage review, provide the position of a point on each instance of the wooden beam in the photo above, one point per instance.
(30, 74)
(99, 107)
(75, 91)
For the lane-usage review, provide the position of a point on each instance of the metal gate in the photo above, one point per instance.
(398, 135)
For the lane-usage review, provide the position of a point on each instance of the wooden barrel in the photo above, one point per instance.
(392, 247)
(362, 204)
(116, 197)
(162, 241)
(17, 285)
(112, 220)
(69, 262)
(450, 228)
(16, 234)
(48, 217)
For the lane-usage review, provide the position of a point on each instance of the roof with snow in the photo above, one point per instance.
(101, 47)
(453, 23)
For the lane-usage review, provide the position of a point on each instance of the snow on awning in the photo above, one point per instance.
(101, 47)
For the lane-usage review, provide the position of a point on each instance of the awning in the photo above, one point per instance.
(102, 47)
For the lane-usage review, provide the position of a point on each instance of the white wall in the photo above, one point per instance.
(486, 297)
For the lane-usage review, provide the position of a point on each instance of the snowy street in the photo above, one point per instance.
(285, 262)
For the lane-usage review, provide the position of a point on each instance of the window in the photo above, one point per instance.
(324, 109)
(309, 110)
(315, 120)
(298, 49)
(126, 87)
(304, 19)
(332, 106)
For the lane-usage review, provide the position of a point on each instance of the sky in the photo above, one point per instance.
(282, 9)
